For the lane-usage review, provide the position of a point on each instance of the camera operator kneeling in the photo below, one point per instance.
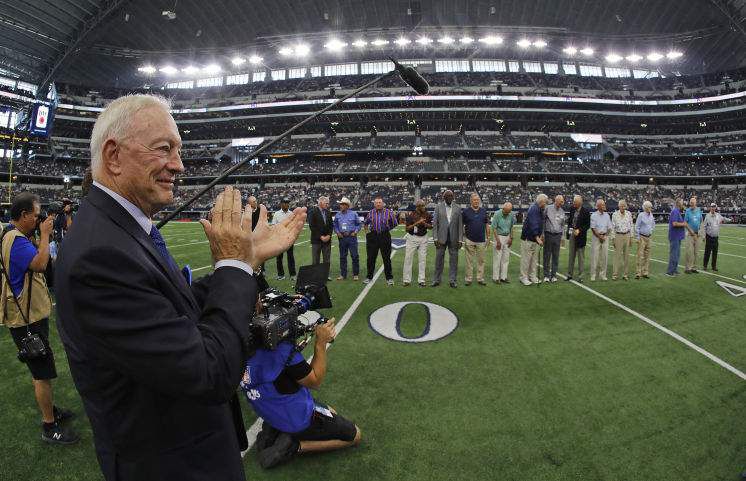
(276, 384)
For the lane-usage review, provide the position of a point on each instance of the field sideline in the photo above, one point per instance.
(553, 382)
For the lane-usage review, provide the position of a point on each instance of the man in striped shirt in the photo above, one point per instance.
(378, 224)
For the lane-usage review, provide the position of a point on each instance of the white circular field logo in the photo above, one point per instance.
(387, 320)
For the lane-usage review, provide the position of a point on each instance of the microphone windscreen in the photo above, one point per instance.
(414, 80)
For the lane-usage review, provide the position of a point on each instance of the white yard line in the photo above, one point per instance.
(654, 324)
(253, 431)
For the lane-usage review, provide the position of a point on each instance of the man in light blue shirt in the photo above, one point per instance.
(693, 218)
(644, 228)
(346, 226)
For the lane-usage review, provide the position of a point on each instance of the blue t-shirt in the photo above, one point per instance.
(693, 217)
(21, 254)
(675, 233)
(289, 413)
(474, 223)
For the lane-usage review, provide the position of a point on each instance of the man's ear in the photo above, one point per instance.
(110, 157)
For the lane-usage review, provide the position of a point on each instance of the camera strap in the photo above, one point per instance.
(7, 280)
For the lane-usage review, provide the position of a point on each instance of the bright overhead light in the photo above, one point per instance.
(587, 51)
(570, 50)
(285, 51)
(491, 40)
(673, 55)
(238, 60)
(424, 40)
(634, 58)
(255, 59)
(147, 69)
(446, 40)
(613, 58)
(402, 41)
(379, 41)
(523, 43)
(466, 40)
(335, 45)
(302, 50)
(212, 68)
(169, 70)
(359, 43)
(190, 69)
(654, 56)
(540, 44)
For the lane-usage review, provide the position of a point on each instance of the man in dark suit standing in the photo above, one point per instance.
(156, 360)
(577, 236)
(321, 224)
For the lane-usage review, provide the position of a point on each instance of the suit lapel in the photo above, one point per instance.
(123, 219)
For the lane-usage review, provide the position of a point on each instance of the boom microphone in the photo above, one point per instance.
(412, 77)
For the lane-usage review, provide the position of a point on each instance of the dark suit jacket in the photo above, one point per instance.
(157, 363)
(318, 226)
(584, 223)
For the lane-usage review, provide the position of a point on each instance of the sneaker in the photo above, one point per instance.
(568, 278)
(554, 279)
(481, 283)
(280, 278)
(496, 281)
(546, 279)
(390, 282)
(613, 278)
(435, 284)
(604, 279)
(366, 281)
(328, 278)
(536, 281)
(579, 279)
(340, 278)
(422, 284)
(645, 276)
(714, 269)
(638, 276)
(526, 282)
(62, 414)
(505, 281)
(56, 434)
(292, 278)
(467, 283)
(593, 279)
(695, 271)
(355, 278)
(405, 284)
(266, 437)
(674, 274)
(281, 451)
(453, 284)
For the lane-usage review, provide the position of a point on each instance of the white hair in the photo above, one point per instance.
(622, 202)
(647, 204)
(323, 198)
(541, 197)
(116, 120)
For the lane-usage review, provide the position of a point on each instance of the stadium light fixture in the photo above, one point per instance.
(587, 51)
(212, 68)
(674, 54)
(634, 58)
(424, 41)
(302, 49)
(335, 45)
(286, 51)
(523, 43)
(379, 42)
(491, 40)
(148, 69)
(255, 59)
(190, 69)
(613, 58)
(570, 50)
(654, 56)
(540, 44)
(402, 41)
(446, 40)
(238, 61)
(168, 70)
(360, 43)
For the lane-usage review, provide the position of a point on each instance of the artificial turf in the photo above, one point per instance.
(546, 382)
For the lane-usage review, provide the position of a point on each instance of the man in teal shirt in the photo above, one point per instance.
(693, 218)
(502, 227)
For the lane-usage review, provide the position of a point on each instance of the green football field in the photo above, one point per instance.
(619, 380)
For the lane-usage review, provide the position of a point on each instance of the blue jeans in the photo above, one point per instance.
(673, 256)
(348, 244)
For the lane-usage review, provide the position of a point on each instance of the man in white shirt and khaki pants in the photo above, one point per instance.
(621, 223)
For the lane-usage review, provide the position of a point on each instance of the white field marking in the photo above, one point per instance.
(732, 244)
(654, 324)
(188, 244)
(205, 267)
(719, 253)
(253, 431)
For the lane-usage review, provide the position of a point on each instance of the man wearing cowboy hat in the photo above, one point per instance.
(346, 226)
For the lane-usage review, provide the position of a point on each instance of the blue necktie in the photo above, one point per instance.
(160, 246)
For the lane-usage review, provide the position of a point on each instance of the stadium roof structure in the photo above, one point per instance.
(103, 42)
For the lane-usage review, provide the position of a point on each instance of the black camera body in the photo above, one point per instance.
(57, 207)
(32, 347)
(279, 317)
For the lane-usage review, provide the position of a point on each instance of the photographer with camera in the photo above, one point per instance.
(26, 307)
(277, 384)
(63, 219)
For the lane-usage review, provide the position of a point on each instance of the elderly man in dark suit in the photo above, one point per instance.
(448, 232)
(156, 360)
(577, 236)
(321, 224)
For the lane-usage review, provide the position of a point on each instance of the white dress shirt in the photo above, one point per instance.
(147, 226)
